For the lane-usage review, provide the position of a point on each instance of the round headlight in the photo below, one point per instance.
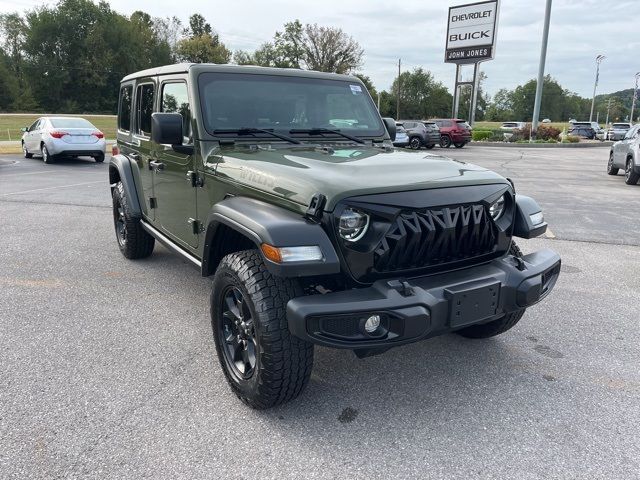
(353, 224)
(497, 208)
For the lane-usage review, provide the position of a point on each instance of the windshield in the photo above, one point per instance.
(232, 101)
(621, 126)
(70, 123)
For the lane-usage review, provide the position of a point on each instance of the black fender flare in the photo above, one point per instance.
(127, 173)
(523, 226)
(263, 222)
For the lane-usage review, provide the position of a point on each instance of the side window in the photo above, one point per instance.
(144, 109)
(175, 99)
(34, 125)
(124, 108)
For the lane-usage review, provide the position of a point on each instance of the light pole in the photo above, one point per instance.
(543, 58)
(635, 95)
(599, 59)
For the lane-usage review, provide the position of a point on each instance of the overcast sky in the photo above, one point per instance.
(415, 31)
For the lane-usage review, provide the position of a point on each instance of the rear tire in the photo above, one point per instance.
(415, 143)
(25, 152)
(134, 242)
(46, 156)
(630, 177)
(445, 141)
(99, 158)
(501, 325)
(264, 364)
(611, 170)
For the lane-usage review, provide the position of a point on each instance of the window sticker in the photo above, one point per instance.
(356, 89)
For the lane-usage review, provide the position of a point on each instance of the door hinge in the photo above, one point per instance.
(194, 179)
(196, 226)
(153, 202)
(316, 205)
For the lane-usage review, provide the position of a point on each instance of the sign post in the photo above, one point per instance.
(471, 36)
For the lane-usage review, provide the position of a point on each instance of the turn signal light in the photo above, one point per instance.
(291, 254)
(58, 134)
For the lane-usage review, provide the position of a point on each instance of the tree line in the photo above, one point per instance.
(70, 57)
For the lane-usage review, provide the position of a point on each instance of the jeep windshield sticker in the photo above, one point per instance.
(356, 89)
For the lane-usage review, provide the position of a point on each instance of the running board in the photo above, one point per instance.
(170, 245)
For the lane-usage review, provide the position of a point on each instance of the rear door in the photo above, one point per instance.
(145, 95)
(176, 212)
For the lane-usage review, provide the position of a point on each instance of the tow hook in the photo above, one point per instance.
(402, 287)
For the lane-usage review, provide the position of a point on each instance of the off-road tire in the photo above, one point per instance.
(445, 141)
(611, 170)
(501, 325)
(459, 144)
(135, 242)
(415, 143)
(99, 158)
(630, 177)
(25, 152)
(283, 362)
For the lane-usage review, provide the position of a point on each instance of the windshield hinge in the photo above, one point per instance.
(194, 179)
(316, 206)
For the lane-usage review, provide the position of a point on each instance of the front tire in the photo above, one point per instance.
(445, 141)
(25, 152)
(630, 177)
(501, 325)
(264, 364)
(611, 170)
(459, 144)
(134, 242)
(99, 158)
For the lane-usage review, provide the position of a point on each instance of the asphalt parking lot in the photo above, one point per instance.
(108, 367)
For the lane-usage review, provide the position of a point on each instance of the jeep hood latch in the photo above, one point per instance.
(316, 206)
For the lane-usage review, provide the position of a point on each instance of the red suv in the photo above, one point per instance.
(453, 130)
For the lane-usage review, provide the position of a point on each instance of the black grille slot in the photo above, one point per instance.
(436, 236)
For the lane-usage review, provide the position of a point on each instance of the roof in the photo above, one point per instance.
(213, 67)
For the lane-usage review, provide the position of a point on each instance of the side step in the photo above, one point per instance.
(170, 245)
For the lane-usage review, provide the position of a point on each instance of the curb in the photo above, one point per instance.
(541, 145)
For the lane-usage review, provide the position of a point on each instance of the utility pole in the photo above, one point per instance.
(599, 59)
(543, 58)
(635, 96)
(398, 93)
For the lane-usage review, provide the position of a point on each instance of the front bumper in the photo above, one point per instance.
(424, 307)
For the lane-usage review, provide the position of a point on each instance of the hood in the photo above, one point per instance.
(298, 173)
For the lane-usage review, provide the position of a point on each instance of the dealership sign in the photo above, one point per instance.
(471, 32)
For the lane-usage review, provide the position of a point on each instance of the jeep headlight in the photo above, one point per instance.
(497, 208)
(353, 224)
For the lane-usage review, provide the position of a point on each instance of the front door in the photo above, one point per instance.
(141, 140)
(621, 148)
(176, 212)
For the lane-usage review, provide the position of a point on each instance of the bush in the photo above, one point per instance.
(546, 132)
(481, 135)
(571, 139)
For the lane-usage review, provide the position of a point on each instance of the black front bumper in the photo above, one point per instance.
(423, 307)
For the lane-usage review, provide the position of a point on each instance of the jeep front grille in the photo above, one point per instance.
(432, 237)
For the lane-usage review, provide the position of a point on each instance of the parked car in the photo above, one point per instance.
(546, 120)
(594, 125)
(617, 131)
(512, 126)
(421, 134)
(402, 139)
(313, 235)
(582, 131)
(453, 131)
(625, 154)
(53, 137)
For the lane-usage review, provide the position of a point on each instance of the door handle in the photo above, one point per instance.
(154, 165)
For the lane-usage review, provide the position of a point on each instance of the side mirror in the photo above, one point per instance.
(166, 128)
(390, 124)
(24, 129)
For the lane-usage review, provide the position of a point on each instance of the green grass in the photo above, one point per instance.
(496, 125)
(10, 125)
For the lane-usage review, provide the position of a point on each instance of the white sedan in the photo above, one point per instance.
(52, 137)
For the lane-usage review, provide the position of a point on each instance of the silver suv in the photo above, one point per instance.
(624, 154)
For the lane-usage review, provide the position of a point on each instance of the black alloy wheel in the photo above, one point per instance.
(415, 143)
(445, 141)
(120, 222)
(238, 332)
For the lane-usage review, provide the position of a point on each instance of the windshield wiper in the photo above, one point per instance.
(320, 131)
(252, 131)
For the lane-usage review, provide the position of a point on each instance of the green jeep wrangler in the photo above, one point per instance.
(284, 186)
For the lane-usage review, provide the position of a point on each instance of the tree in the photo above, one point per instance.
(500, 108)
(313, 47)
(421, 97)
(465, 100)
(198, 26)
(203, 49)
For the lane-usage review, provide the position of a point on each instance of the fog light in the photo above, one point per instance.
(372, 323)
